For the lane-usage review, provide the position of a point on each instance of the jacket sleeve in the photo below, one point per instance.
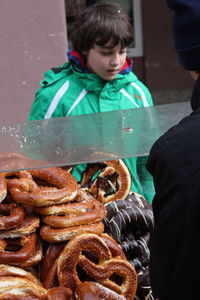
(39, 106)
(47, 91)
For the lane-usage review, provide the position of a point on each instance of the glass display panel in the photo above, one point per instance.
(86, 138)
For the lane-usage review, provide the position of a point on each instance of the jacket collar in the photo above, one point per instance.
(77, 60)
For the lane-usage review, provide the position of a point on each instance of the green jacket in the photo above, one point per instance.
(67, 90)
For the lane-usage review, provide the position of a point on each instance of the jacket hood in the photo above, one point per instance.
(76, 59)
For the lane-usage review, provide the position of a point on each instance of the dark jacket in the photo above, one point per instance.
(174, 162)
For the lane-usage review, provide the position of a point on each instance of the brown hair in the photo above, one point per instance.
(99, 24)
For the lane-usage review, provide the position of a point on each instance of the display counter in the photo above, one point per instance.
(61, 238)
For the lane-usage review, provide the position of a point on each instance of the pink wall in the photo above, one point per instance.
(33, 39)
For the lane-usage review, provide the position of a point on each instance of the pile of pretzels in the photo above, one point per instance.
(53, 238)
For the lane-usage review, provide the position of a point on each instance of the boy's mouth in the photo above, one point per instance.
(113, 71)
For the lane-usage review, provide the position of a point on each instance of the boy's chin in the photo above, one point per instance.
(109, 77)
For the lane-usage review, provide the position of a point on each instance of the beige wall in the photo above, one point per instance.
(33, 39)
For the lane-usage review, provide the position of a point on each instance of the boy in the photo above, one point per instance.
(97, 78)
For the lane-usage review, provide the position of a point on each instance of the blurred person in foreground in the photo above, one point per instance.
(174, 162)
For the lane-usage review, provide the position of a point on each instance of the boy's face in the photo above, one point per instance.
(106, 61)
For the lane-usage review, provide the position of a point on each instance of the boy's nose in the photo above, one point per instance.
(114, 61)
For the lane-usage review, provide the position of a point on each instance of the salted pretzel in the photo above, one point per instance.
(95, 291)
(8, 270)
(82, 196)
(54, 235)
(76, 214)
(27, 246)
(51, 279)
(101, 271)
(72, 208)
(48, 267)
(58, 186)
(3, 187)
(10, 215)
(113, 246)
(28, 226)
(84, 216)
(59, 293)
(51, 254)
(112, 183)
(35, 258)
(19, 288)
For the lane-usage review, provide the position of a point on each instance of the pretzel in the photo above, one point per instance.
(113, 246)
(3, 187)
(76, 214)
(7, 270)
(52, 277)
(18, 288)
(112, 183)
(35, 258)
(27, 244)
(63, 187)
(54, 235)
(95, 291)
(64, 209)
(52, 253)
(13, 215)
(28, 226)
(59, 293)
(73, 256)
(17, 174)
(82, 196)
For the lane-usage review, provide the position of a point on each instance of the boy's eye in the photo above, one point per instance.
(122, 51)
(106, 53)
